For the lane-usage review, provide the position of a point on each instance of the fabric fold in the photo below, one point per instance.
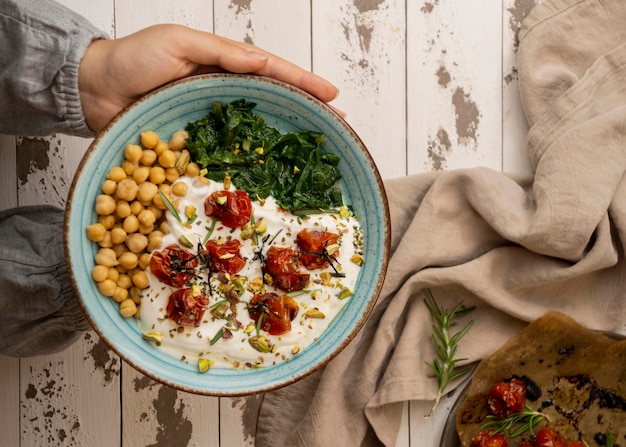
(511, 245)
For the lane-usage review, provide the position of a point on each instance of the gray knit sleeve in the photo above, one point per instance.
(40, 313)
(41, 46)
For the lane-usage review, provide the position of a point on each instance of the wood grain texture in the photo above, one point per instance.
(427, 84)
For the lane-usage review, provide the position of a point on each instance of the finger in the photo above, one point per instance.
(210, 50)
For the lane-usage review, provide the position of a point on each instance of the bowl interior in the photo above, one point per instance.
(169, 109)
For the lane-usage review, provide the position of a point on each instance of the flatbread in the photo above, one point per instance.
(581, 374)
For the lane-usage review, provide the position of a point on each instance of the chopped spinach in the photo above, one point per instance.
(262, 161)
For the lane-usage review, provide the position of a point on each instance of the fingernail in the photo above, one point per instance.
(257, 55)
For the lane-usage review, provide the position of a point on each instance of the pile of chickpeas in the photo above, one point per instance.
(131, 214)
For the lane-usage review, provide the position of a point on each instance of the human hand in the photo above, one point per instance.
(115, 73)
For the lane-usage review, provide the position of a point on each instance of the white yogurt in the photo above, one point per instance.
(192, 343)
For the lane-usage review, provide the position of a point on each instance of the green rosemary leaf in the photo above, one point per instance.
(210, 232)
(445, 343)
(170, 207)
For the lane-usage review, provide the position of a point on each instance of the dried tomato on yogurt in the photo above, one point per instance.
(276, 312)
(173, 266)
(232, 208)
(226, 257)
(186, 307)
(283, 265)
(312, 245)
(507, 397)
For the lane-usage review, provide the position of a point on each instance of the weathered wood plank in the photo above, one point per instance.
(515, 127)
(9, 367)
(454, 85)
(360, 46)
(71, 398)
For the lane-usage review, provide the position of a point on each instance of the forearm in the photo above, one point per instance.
(42, 45)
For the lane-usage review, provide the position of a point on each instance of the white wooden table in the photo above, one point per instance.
(428, 84)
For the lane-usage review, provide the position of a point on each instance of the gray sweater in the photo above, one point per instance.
(43, 43)
(41, 46)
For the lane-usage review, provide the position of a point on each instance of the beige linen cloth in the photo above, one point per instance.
(511, 245)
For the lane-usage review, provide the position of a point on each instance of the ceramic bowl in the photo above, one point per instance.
(169, 109)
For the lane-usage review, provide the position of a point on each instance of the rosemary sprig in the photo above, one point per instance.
(446, 344)
(170, 206)
(515, 424)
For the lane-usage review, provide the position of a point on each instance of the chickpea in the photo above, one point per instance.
(106, 241)
(135, 295)
(127, 189)
(130, 224)
(155, 239)
(128, 260)
(144, 261)
(105, 205)
(99, 273)
(113, 274)
(133, 152)
(118, 235)
(140, 174)
(147, 218)
(193, 169)
(171, 175)
(136, 242)
(108, 187)
(157, 175)
(106, 257)
(149, 139)
(120, 249)
(95, 232)
(124, 281)
(167, 159)
(117, 174)
(179, 189)
(148, 157)
(122, 209)
(165, 227)
(146, 192)
(107, 287)
(146, 229)
(158, 212)
(120, 294)
(161, 147)
(140, 280)
(129, 167)
(201, 181)
(136, 207)
(107, 221)
(178, 140)
(128, 308)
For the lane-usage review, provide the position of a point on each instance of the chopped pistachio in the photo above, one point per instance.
(204, 365)
(246, 233)
(256, 284)
(250, 327)
(156, 337)
(190, 212)
(260, 226)
(332, 249)
(357, 259)
(295, 349)
(182, 240)
(315, 313)
(345, 293)
(220, 310)
(221, 200)
(268, 279)
(344, 212)
(227, 256)
(260, 343)
(182, 162)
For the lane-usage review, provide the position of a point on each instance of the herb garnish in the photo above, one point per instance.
(515, 424)
(232, 139)
(446, 344)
